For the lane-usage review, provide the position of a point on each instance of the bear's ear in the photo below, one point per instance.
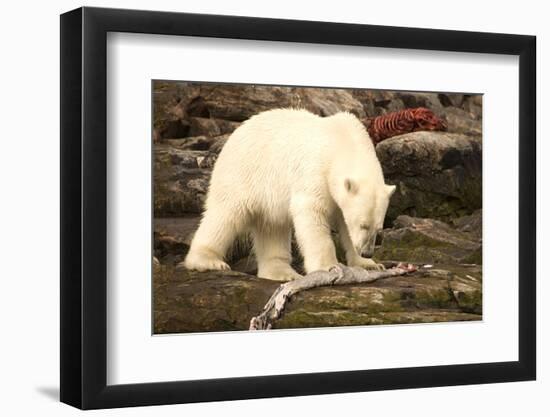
(351, 186)
(390, 189)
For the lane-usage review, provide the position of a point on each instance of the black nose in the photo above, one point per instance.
(367, 253)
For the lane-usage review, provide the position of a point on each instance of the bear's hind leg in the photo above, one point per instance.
(272, 250)
(215, 234)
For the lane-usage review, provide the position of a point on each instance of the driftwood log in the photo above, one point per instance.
(337, 275)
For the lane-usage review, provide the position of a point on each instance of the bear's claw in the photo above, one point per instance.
(367, 264)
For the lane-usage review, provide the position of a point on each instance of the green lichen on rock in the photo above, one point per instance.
(305, 319)
(428, 241)
(189, 301)
(467, 291)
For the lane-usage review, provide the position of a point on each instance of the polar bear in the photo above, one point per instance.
(289, 168)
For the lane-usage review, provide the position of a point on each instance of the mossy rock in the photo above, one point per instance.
(431, 241)
(189, 301)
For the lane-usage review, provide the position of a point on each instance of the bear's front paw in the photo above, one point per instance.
(203, 262)
(278, 273)
(366, 263)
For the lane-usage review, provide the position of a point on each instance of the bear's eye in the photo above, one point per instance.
(364, 227)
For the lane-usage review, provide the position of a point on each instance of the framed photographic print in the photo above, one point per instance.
(257, 208)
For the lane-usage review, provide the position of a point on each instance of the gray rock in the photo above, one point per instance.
(451, 99)
(327, 101)
(365, 98)
(207, 161)
(470, 224)
(218, 143)
(460, 121)
(175, 157)
(438, 175)
(179, 183)
(168, 249)
(473, 105)
(238, 103)
(197, 143)
(185, 196)
(430, 241)
(170, 102)
(419, 99)
(167, 128)
(378, 102)
(394, 105)
(194, 143)
(201, 126)
(182, 174)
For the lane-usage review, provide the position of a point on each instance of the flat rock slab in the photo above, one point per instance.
(190, 301)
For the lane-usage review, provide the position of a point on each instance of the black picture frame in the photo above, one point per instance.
(84, 207)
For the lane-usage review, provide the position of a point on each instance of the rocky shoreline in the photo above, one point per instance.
(434, 217)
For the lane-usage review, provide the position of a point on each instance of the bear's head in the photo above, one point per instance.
(364, 207)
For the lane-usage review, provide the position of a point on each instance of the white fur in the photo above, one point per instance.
(289, 168)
